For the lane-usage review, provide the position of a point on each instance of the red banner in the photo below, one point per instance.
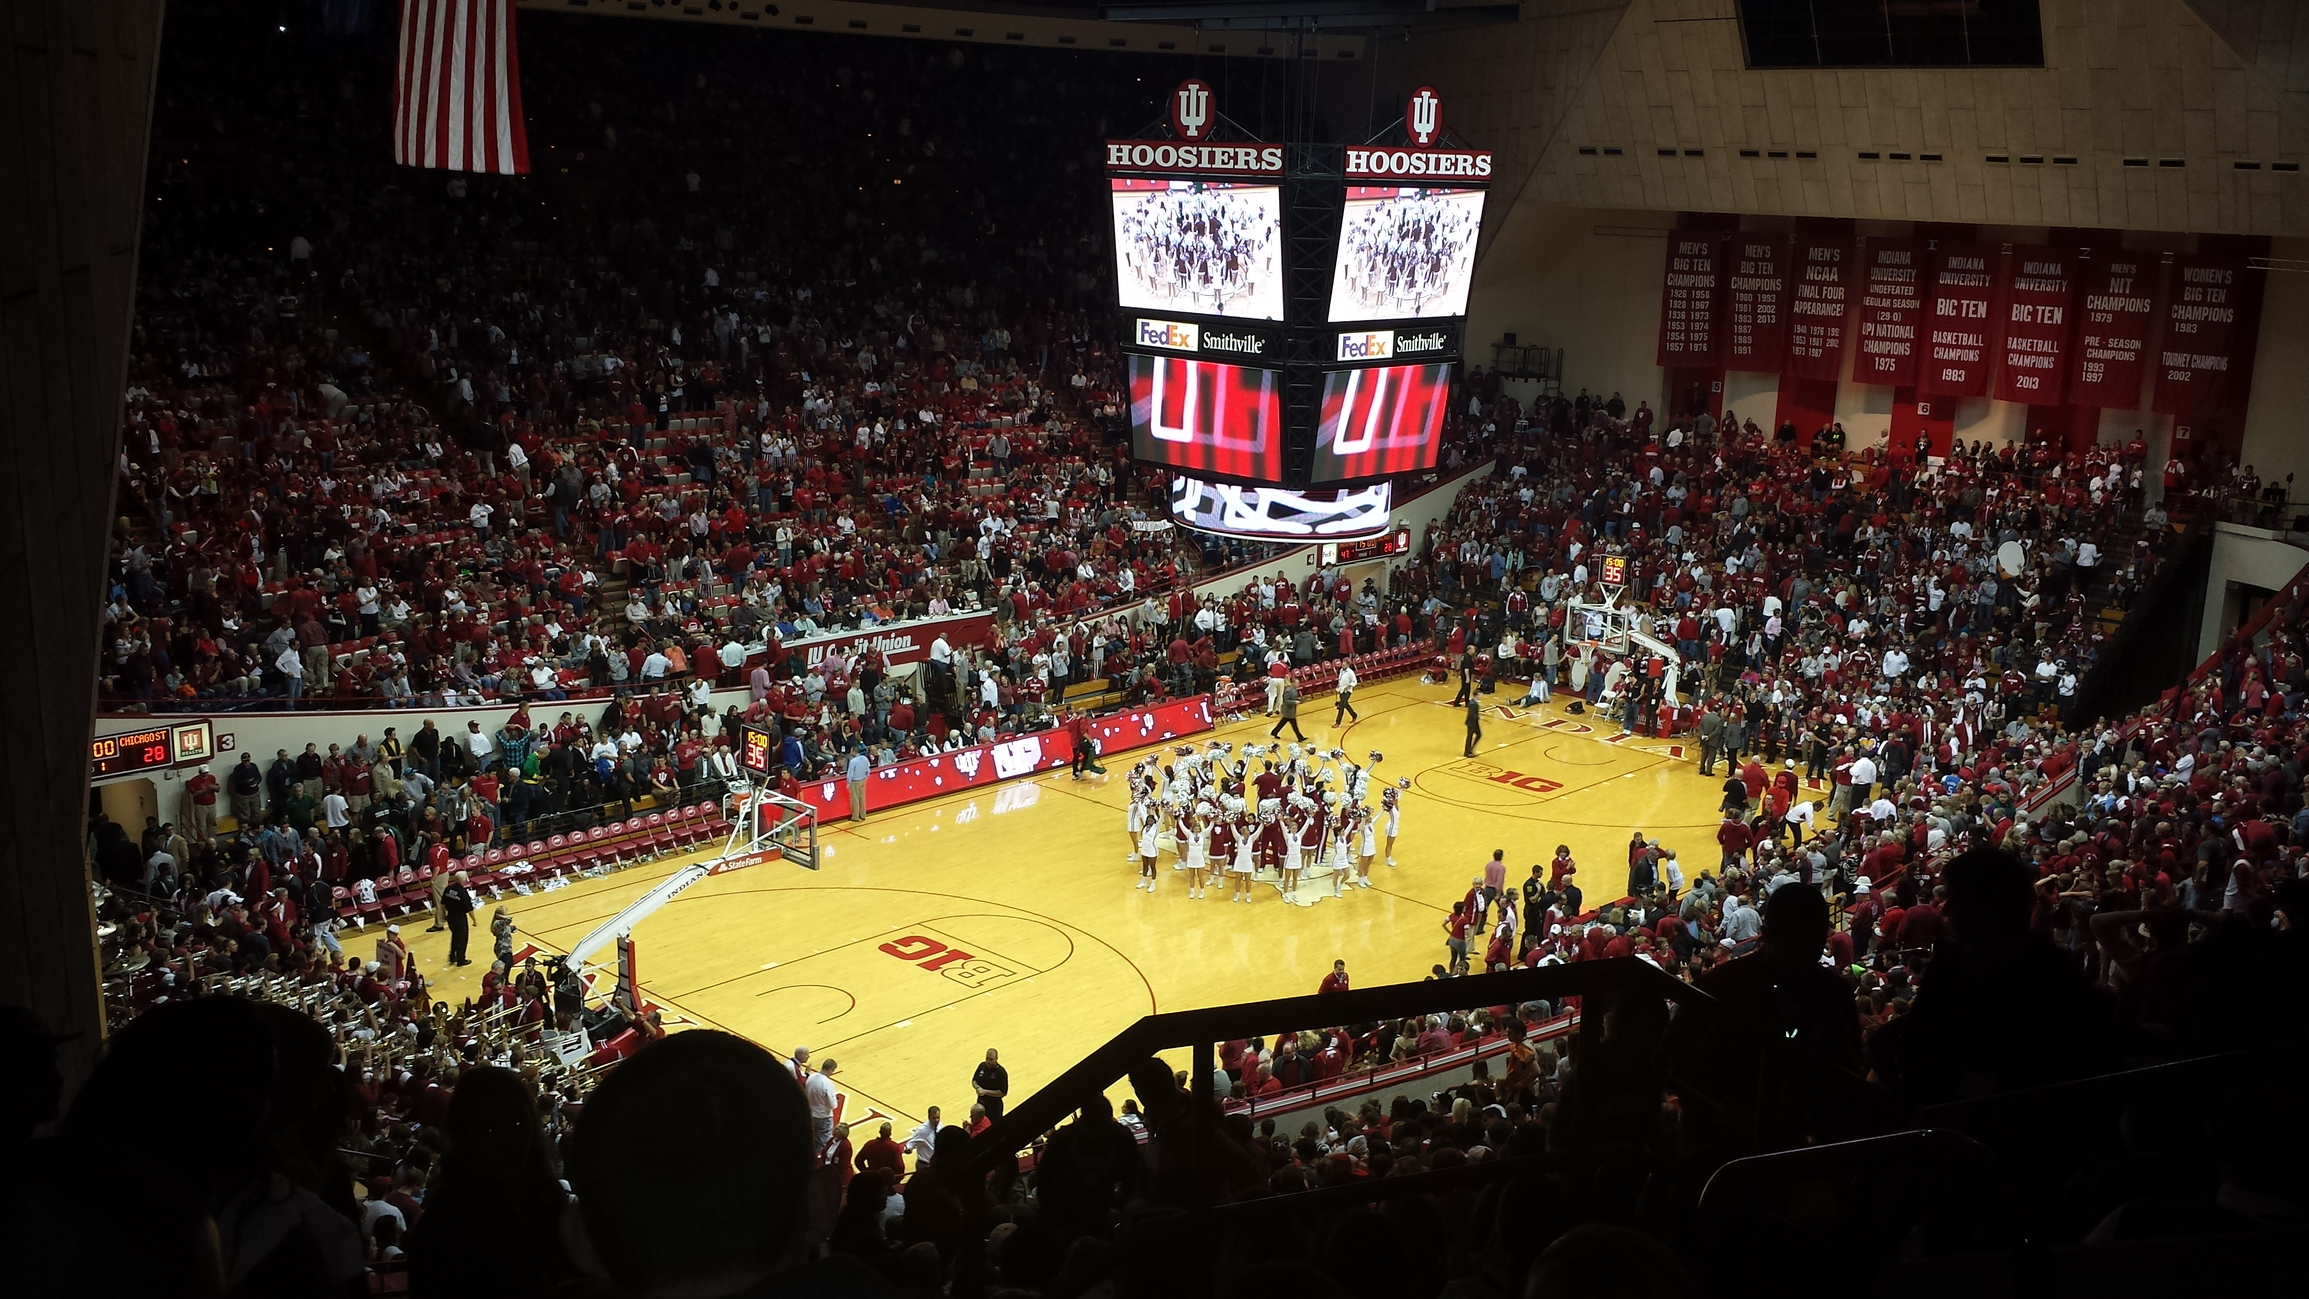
(1691, 299)
(1963, 328)
(1820, 302)
(2115, 319)
(1756, 315)
(2033, 363)
(2200, 339)
(902, 643)
(939, 774)
(1891, 313)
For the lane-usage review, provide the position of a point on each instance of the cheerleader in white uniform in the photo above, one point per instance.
(1194, 849)
(1149, 846)
(1391, 809)
(1294, 823)
(1246, 858)
(1137, 819)
(1342, 854)
(1366, 844)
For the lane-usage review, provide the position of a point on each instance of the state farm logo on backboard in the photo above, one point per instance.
(1191, 113)
(1423, 117)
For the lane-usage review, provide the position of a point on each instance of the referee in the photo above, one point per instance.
(1347, 684)
(1474, 724)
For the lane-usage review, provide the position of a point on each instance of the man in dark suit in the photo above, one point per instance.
(458, 905)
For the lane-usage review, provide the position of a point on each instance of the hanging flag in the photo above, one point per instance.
(457, 88)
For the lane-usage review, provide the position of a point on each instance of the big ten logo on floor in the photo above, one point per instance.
(1473, 780)
(948, 961)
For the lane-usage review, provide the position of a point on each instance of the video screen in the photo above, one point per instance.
(1381, 421)
(1273, 514)
(1405, 253)
(1207, 417)
(1199, 247)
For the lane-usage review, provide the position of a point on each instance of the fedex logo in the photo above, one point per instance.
(1375, 346)
(1173, 335)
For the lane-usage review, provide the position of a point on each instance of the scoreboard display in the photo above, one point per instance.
(157, 748)
(1291, 318)
(754, 752)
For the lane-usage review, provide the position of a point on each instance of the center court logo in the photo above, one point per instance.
(1171, 335)
(1484, 782)
(1378, 345)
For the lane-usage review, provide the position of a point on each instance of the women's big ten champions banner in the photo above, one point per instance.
(1756, 319)
(2032, 365)
(1962, 332)
(1891, 313)
(1819, 305)
(2116, 318)
(2200, 340)
(1692, 298)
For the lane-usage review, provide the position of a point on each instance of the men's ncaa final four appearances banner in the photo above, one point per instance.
(1691, 299)
(2033, 362)
(1819, 306)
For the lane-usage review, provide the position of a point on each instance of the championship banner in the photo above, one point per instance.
(2033, 362)
(1891, 313)
(1756, 315)
(1963, 321)
(1819, 304)
(938, 774)
(2200, 339)
(2116, 317)
(1691, 299)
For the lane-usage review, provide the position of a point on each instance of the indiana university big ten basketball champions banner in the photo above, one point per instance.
(1819, 306)
(1962, 331)
(2200, 340)
(1691, 299)
(1756, 316)
(2033, 362)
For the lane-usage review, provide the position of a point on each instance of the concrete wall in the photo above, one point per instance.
(2276, 441)
(2242, 557)
(1584, 279)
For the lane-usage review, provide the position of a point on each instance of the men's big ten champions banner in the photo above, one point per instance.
(1819, 305)
(1756, 316)
(1891, 313)
(2115, 320)
(2033, 362)
(1962, 332)
(2200, 340)
(1692, 298)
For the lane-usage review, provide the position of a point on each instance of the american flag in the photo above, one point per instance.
(457, 88)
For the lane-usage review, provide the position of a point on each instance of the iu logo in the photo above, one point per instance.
(1423, 117)
(1191, 109)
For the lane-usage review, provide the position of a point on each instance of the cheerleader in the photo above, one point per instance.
(1391, 808)
(1311, 836)
(1366, 843)
(1194, 849)
(1294, 853)
(1139, 809)
(1222, 844)
(1245, 865)
(1342, 853)
(1149, 846)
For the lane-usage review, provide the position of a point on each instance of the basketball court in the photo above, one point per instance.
(1006, 918)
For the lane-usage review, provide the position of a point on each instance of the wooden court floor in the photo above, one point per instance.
(1006, 918)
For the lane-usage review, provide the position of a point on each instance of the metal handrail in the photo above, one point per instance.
(1204, 1028)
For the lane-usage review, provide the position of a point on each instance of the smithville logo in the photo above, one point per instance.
(1191, 109)
(1423, 117)
(1375, 346)
(1421, 342)
(1170, 335)
(1253, 344)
